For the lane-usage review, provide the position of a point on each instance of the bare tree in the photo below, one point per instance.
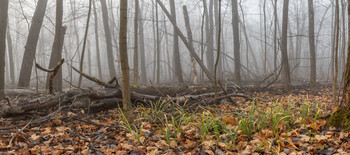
(10, 54)
(30, 47)
(56, 54)
(136, 51)
(124, 59)
(312, 45)
(110, 58)
(284, 48)
(177, 61)
(336, 28)
(3, 25)
(84, 44)
(97, 40)
(236, 42)
(142, 49)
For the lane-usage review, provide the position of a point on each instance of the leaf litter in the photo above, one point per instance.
(270, 123)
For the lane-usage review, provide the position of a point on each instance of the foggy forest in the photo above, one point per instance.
(174, 77)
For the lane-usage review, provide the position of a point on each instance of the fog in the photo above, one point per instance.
(256, 40)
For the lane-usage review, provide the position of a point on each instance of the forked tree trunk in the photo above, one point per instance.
(3, 25)
(30, 47)
(56, 53)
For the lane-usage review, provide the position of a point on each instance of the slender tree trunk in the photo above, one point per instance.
(178, 68)
(158, 44)
(312, 45)
(110, 57)
(97, 40)
(89, 57)
(142, 49)
(236, 42)
(84, 44)
(218, 54)
(124, 59)
(187, 44)
(30, 47)
(275, 46)
(136, 45)
(56, 54)
(335, 76)
(10, 55)
(284, 45)
(265, 38)
(190, 39)
(3, 25)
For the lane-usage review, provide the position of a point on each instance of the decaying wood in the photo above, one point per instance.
(53, 72)
(109, 84)
(96, 100)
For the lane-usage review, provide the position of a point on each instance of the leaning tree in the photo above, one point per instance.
(341, 117)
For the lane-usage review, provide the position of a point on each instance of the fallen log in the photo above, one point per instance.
(96, 100)
(41, 103)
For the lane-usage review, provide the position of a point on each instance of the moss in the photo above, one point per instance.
(340, 119)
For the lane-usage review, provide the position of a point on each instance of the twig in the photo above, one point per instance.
(14, 136)
(53, 72)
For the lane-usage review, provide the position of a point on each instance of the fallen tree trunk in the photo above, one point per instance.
(95, 100)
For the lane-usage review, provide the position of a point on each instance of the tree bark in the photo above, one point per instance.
(177, 61)
(312, 45)
(110, 59)
(236, 42)
(124, 60)
(284, 48)
(84, 43)
(3, 26)
(97, 40)
(190, 40)
(336, 28)
(56, 53)
(136, 45)
(187, 44)
(30, 47)
(142, 49)
(10, 54)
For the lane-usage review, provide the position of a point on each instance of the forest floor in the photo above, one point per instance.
(269, 122)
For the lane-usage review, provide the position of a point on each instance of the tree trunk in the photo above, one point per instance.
(56, 53)
(236, 43)
(30, 47)
(187, 44)
(84, 43)
(190, 40)
(110, 59)
(124, 60)
(158, 42)
(335, 76)
(275, 36)
(3, 25)
(97, 40)
(284, 49)
(142, 48)
(341, 117)
(177, 61)
(312, 45)
(10, 54)
(136, 45)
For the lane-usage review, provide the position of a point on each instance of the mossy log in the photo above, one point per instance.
(340, 119)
